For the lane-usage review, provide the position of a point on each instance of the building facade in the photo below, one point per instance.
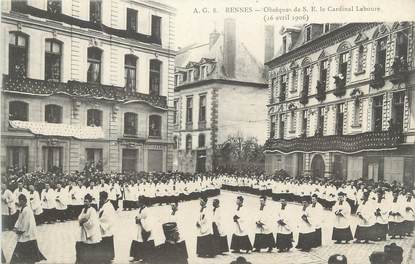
(87, 83)
(219, 92)
(341, 102)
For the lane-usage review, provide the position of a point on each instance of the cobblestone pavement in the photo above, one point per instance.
(57, 241)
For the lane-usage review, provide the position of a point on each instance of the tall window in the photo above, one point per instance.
(381, 53)
(398, 110)
(176, 112)
(323, 72)
(155, 76)
(189, 109)
(203, 72)
(295, 79)
(94, 157)
(306, 80)
(53, 113)
(55, 6)
(202, 140)
(356, 113)
(281, 126)
(52, 158)
(94, 118)
(320, 120)
(308, 33)
(18, 44)
(402, 44)
(202, 108)
(132, 20)
(284, 44)
(292, 122)
(344, 58)
(360, 58)
(273, 87)
(175, 142)
(130, 72)
(155, 126)
(17, 157)
(326, 28)
(283, 87)
(130, 123)
(377, 113)
(94, 65)
(304, 122)
(339, 118)
(18, 111)
(53, 55)
(188, 143)
(272, 127)
(95, 11)
(17, 5)
(156, 27)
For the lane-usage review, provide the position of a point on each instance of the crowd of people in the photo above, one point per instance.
(93, 197)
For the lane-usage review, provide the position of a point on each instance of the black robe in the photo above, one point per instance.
(171, 253)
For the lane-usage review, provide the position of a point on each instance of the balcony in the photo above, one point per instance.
(399, 71)
(340, 82)
(304, 97)
(80, 89)
(321, 91)
(342, 143)
(377, 80)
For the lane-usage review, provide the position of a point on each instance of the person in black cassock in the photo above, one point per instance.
(26, 250)
(172, 250)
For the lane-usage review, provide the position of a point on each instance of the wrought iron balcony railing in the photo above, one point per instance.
(342, 143)
(82, 89)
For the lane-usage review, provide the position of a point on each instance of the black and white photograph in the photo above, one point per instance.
(207, 132)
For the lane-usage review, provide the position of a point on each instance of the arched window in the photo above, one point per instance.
(155, 77)
(94, 65)
(130, 72)
(188, 143)
(53, 55)
(18, 110)
(202, 140)
(155, 126)
(130, 123)
(53, 113)
(18, 54)
(94, 118)
(360, 58)
(95, 11)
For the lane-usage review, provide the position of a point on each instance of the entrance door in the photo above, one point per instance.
(317, 167)
(155, 160)
(201, 161)
(53, 158)
(373, 171)
(129, 160)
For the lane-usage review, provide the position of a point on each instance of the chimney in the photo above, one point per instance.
(213, 37)
(229, 47)
(269, 43)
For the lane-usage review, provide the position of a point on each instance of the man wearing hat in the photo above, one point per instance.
(171, 251)
(341, 229)
(393, 254)
(337, 259)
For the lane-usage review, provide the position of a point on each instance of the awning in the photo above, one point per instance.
(61, 130)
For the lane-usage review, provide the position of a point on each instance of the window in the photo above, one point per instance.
(306, 80)
(17, 5)
(184, 76)
(282, 126)
(129, 160)
(402, 44)
(155, 126)
(94, 65)
(176, 112)
(320, 120)
(130, 73)
(130, 124)
(191, 75)
(339, 118)
(343, 61)
(18, 44)
(202, 108)
(272, 127)
(132, 20)
(304, 123)
(17, 157)
(284, 44)
(294, 82)
(94, 118)
(326, 28)
(203, 72)
(308, 33)
(55, 6)
(155, 72)
(53, 113)
(95, 11)
(188, 143)
(94, 158)
(398, 111)
(176, 80)
(323, 72)
(175, 142)
(156, 27)
(53, 54)
(189, 109)
(360, 58)
(381, 54)
(52, 158)
(377, 113)
(18, 111)
(273, 87)
(283, 87)
(202, 140)
(356, 113)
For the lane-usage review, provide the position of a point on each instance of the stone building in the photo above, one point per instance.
(219, 91)
(87, 83)
(341, 102)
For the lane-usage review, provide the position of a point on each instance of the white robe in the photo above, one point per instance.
(283, 215)
(303, 226)
(342, 221)
(366, 211)
(26, 223)
(35, 203)
(240, 226)
(205, 224)
(384, 212)
(145, 220)
(8, 206)
(409, 208)
(397, 207)
(107, 219)
(263, 216)
(316, 215)
(217, 219)
(90, 230)
(61, 199)
(48, 199)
